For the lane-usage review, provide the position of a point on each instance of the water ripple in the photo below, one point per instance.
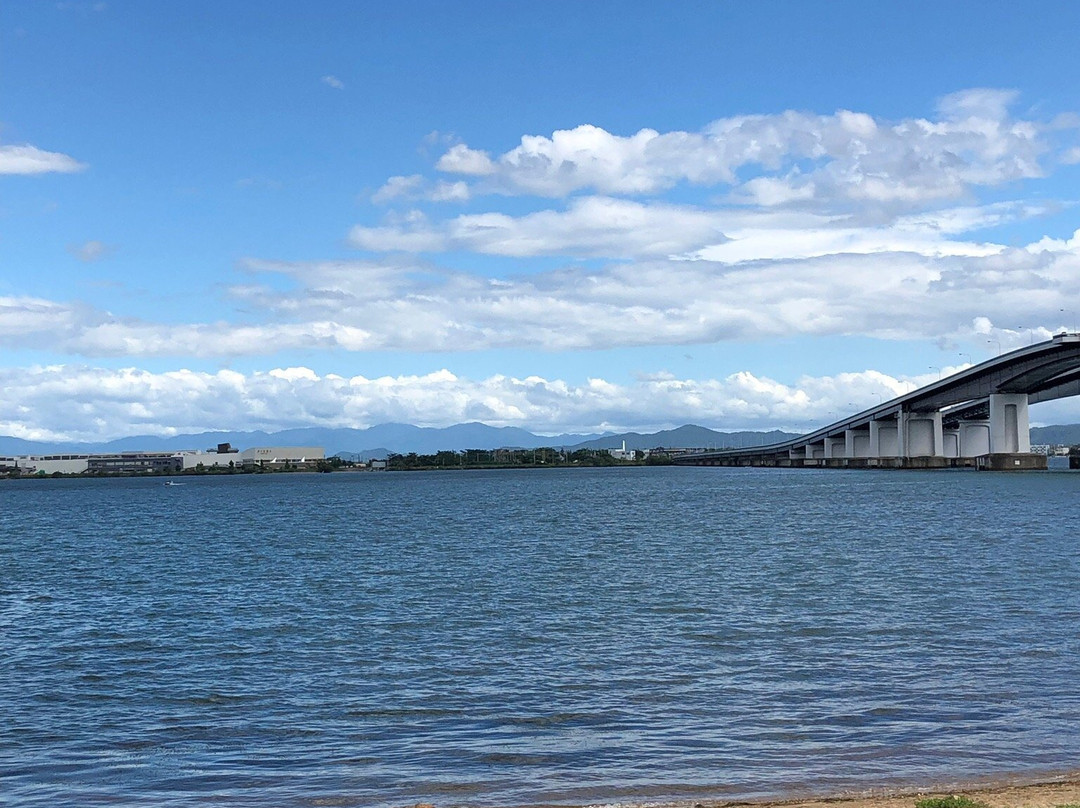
(510, 638)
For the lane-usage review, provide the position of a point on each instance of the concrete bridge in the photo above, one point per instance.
(977, 417)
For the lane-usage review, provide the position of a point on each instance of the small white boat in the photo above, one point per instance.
(171, 482)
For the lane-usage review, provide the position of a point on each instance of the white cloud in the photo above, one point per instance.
(398, 188)
(777, 244)
(460, 159)
(751, 267)
(1057, 244)
(844, 156)
(36, 401)
(591, 226)
(415, 187)
(413, 306)
(25, 320)
(979, 104)
(618, 228)
(32, 160)
(135, 338)
(333, 81)
(450, 192)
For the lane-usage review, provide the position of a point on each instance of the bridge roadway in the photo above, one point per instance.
(977, 417)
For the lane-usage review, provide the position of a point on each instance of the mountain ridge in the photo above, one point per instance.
(378, 440)
(400, 438)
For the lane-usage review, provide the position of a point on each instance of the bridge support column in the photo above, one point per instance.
(922, 433)
(885, 439)
(1009, 424)
(974, 438)
(950, 442)
(835, 446)
(857, 442)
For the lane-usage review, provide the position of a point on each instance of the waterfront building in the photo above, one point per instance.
(271, 457)
(280, 457)
(134, 463)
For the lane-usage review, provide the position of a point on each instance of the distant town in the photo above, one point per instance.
(226, 459)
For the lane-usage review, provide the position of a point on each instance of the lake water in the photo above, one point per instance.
(537, 637)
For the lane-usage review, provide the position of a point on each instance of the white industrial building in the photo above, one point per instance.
(626, 454)
(49, 464)
(274, 457)
(265, 456)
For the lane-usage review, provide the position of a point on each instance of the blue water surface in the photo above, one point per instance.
(537, 637)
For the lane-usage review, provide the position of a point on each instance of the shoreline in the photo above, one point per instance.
(1043, 793)
(1047, 790)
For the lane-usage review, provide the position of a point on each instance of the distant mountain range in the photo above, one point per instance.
(378, 441)
(688, 436)
(1062, 435)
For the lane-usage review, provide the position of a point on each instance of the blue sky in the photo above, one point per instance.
(567, 217)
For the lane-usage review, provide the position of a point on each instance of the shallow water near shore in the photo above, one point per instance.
(535, 637)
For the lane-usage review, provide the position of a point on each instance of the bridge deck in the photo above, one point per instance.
(967, 419)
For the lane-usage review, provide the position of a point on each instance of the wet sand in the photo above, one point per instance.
(1049, 793)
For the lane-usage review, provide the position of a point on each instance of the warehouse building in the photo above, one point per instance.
(270, 458)
(134, 463)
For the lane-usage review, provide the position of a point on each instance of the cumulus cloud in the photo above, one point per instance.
(28, 159)
(752, 265)
(410, 305)
(460, 159)
(36, 401)
(791, 185)
(333, 81)
(398, 188)
(844, 156)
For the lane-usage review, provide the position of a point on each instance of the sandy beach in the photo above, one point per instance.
(1053, 792)
(1062, 791)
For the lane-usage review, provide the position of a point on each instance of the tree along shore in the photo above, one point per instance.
(439, 461)
(519, 458)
